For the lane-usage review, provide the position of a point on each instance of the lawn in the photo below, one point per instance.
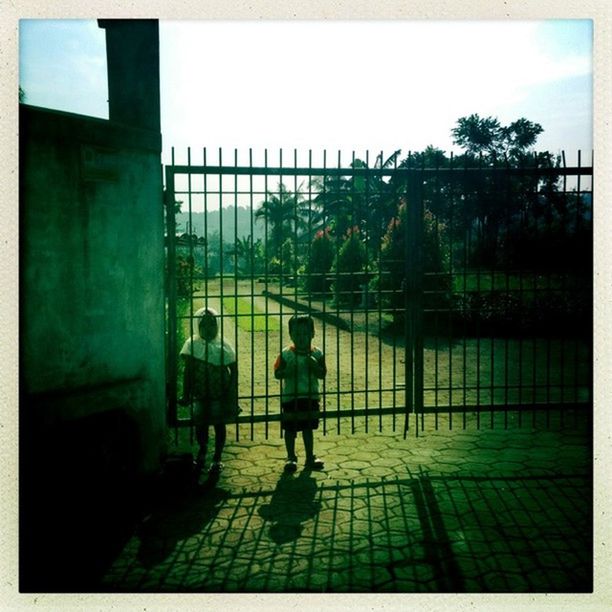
(248, 316)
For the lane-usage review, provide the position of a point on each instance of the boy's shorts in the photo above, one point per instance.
(300, 414)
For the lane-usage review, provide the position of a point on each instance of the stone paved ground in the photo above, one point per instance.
(461, 510)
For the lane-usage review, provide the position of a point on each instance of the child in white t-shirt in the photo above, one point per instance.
(211, 382)
(299, 367)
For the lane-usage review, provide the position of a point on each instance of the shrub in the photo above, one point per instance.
(515, 313)
(184, 271)
(348, 265)
(395, 259)
(320, 261)
(287, 260)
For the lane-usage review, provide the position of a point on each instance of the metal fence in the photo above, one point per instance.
(457, 291)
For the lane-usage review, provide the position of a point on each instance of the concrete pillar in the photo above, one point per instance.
(132, 54)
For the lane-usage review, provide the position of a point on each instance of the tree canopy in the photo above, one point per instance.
(487, 136)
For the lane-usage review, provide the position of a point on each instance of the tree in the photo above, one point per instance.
(284, 213)
(486, 136)
(436, 191)
(349, 263)
(184, 275)
(249, 257)
(394, 253)
(389, 281)
(288, 264)
(363, 200)
(320, 261)
(493, 203)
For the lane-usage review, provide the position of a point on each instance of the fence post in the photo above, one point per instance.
(171, 323)
(413, 298)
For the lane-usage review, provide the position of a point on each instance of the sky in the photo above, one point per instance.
(353, 86)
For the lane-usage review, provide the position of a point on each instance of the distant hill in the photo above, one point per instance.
(202, 224)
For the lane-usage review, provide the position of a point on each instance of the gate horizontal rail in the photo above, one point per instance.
(363, 172)
(427, 410)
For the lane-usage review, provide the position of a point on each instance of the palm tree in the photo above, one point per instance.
(362, 200)
(284, 213)
(248, 256)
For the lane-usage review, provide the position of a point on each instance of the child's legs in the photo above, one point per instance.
(308, 437)
(290, 444)
(202, 438)
(220, 437)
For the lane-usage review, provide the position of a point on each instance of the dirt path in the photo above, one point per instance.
(367, 370)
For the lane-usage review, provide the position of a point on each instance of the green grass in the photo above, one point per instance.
(249, 317)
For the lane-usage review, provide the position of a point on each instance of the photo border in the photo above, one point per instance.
(599, 11)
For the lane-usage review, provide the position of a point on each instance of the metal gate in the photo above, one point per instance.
(451, 291)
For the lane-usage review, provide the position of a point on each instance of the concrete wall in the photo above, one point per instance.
(92, 364)
(92, 414)
(92, 273)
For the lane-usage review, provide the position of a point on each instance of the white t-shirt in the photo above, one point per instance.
(216, 352)
(299, 381)
(211, 374)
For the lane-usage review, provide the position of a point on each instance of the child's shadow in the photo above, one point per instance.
(178, 518)
(291, 505)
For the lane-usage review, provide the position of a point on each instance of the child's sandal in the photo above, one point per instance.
(215, 467)
(290, 466)
(198, 464)
(315, 464)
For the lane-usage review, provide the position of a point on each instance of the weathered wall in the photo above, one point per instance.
(92, 273)
(92, 417)
(92, 364)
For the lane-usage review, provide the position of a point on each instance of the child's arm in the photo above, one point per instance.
(280, 367)
(233, 385)
(317, 365)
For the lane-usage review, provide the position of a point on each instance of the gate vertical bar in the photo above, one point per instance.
(408, 340)
(191, 259)
(416, 195)
(412, 318)
(171, 381)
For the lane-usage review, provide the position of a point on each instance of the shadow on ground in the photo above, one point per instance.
(423, 533)
(292, 503)
(176, 520)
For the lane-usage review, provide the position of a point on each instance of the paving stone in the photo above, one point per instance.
(352, 464)
(379, 472)
(344, 475)
(390, 461)
(448, 467)
(371, 523)
(341, 450)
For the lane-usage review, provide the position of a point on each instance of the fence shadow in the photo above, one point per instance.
(422, 533)
(177, 518)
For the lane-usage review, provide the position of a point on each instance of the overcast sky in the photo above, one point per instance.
(354, 86)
